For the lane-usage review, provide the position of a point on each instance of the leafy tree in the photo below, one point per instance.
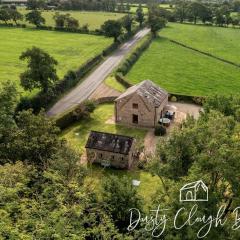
(140, 15)
(112, 28)
(60, 19)
(35, 17)
(181, 10)
(72, 23)
(5, 15)
(155, 21)
(119, 195)
(41, 71)
(35, 4)
(127, 23)
(195, 10)
(16, 15)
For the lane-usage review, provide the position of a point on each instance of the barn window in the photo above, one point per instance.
(112, 157)
(101, 155)
(135, 106)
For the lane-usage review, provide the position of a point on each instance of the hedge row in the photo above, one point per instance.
(134, 56)
(71, 79)
(81, 111)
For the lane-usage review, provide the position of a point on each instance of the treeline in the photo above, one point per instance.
(218, 14)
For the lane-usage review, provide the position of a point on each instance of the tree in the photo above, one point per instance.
(41, 72)
(112, 28)
(4, 15)
(181, 10)
(127, 23)
(60, 19)
(35, 4)
(16, 15)
(195, 10)
(157, 23)
(35, 17)
(72, 23)
(140, 15)
(38, 137)
(119, 195)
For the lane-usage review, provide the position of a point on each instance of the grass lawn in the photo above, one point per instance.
(71, 50)
(77, 136)
(221, 42)
(113, 83)
(183, 71)
(93, 19)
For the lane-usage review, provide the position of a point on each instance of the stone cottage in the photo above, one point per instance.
(141, 105)
(110, 149)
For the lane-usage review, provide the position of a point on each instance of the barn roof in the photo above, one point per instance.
(109, 142)
(149, 91)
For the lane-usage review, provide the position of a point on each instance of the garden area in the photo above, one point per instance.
(69, 49)
(77, 136)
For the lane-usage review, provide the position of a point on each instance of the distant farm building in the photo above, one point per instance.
(141, 105)
(110, 149)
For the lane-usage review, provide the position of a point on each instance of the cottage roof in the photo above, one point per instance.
(109, 142)
(149, 91)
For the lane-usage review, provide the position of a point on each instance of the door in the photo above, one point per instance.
(135, 118)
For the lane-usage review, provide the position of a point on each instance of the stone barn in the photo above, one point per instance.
(110, 149)
(141, 105)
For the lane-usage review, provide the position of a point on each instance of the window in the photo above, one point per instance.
(112, 157)
(135, 106)
(100, 155)
(135, 118)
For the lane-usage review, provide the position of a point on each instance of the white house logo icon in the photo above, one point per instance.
(195, 191)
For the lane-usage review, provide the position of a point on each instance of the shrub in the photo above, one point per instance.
(173, 99)
(160, 130)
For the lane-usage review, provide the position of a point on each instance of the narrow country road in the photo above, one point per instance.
(82, 91)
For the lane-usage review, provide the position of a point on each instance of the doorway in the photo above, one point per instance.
(135, 119)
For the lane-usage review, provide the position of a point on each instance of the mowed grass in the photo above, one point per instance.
(77, 134)
(220, 42)
(93, 19)
(183, 71)
(69, 49)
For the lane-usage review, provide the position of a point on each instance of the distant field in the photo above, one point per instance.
(221, 42)
(93, 19)
(183, 71)
(70, 50)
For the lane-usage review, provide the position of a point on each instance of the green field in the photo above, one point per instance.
(93, 19)
(71, 50)
(184, 71)
(221, 42)
(77, 136)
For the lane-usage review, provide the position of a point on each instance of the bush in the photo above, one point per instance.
(129, 62)
(160, 130)
(173, 99)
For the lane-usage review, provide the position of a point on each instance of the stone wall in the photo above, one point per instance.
(115, 160)
(125, 110)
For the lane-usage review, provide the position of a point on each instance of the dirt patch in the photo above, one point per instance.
(150, 142)
(104, 91)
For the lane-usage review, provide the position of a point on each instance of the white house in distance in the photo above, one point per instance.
(141, 105)
(195, 191)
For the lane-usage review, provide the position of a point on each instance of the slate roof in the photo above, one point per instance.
(109, 142)
(147, 90)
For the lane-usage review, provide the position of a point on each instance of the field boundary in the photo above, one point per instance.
(202, 52)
